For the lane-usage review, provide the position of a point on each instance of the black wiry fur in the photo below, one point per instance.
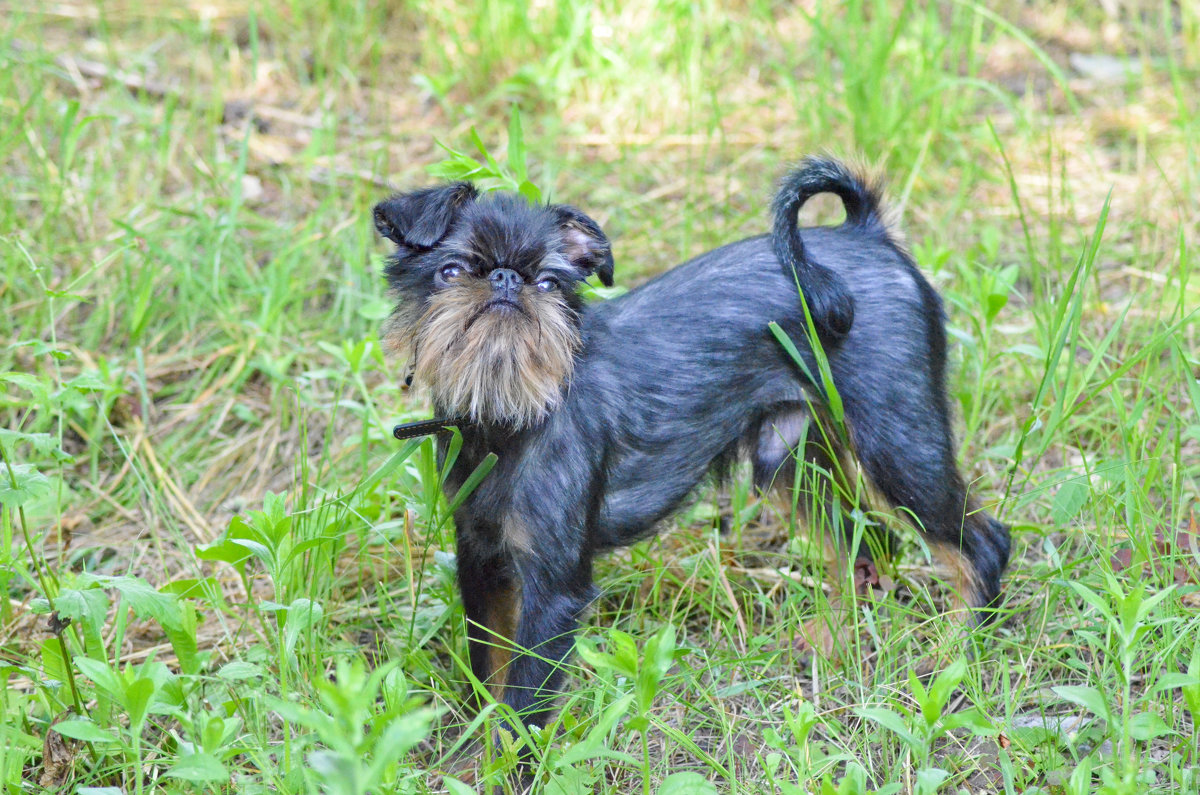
(830, 301)
(667, 382)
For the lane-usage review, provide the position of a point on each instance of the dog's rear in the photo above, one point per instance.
(892, 386)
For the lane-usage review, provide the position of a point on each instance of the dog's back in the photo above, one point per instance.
(687, 366)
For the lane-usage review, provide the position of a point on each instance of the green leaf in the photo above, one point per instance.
(802, 721)
(183, 639)
(21, 484)
(1095, 600)
(43, 444)
(375, 310)
(199, 767)
(893, 722)
(971, 719)
(297, 714)
(929, 779)
(594, 746)
(570, 781)
(999, 290)
(27, 382)
(457, 169)
(301, 614)
(1146, 726)
(493, 167)
(53, 666)
(225, 551)
(516, 146)
(257, 550)
(238, 670)
(206, 589)
(83, 729)
(143, 598)
(1146, 606)
(297, 552)
(593, 656)
(430, 464)
(1089, 698)
(87, 382)
(1080, 782)
(88, 606)
(1174, 679)
(405, 731)
(1071, 497)
(790, 348)
(1027, 349)
(137, 699)
(103, 676)
(660, 653)
(473, 480)
(456, 787)
(686, 783)
(624, 652)
(941, 689)
(854, 782)
(533, 194)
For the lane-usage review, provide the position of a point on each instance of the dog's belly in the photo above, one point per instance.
(664, 454)
(635, 505)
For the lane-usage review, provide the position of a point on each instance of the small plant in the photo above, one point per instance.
(1128, 618)
(359, 726)
(919, 729)
(513, 176)
(807, 758)
(622, 668)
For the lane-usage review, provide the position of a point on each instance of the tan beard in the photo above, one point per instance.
(494, 365)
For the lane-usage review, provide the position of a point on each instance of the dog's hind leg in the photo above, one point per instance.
(909, 460)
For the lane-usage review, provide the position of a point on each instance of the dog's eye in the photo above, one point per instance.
(450, 272)
(545, 285)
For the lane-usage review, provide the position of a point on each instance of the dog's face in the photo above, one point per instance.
(487, 310)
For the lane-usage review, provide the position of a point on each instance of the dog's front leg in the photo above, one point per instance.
(491, 598)
(556, 589)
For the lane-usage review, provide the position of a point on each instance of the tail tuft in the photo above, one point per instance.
(826, 293)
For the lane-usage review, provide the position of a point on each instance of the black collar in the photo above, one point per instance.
(411, 430)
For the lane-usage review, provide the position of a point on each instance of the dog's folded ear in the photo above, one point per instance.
(584, 244)
(422, 218)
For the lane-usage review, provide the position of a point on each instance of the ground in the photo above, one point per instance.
(221, 572)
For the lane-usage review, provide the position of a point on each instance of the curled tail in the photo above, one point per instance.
(828, 297)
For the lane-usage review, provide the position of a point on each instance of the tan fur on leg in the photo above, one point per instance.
(960, 576)
(502, 623)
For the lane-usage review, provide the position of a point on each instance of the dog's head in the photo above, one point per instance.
(488, 309)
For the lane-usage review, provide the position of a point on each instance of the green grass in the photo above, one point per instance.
(223, 575)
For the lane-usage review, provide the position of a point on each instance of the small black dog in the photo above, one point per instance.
(605, 416)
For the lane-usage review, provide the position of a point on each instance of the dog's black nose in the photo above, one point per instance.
(505, 280)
